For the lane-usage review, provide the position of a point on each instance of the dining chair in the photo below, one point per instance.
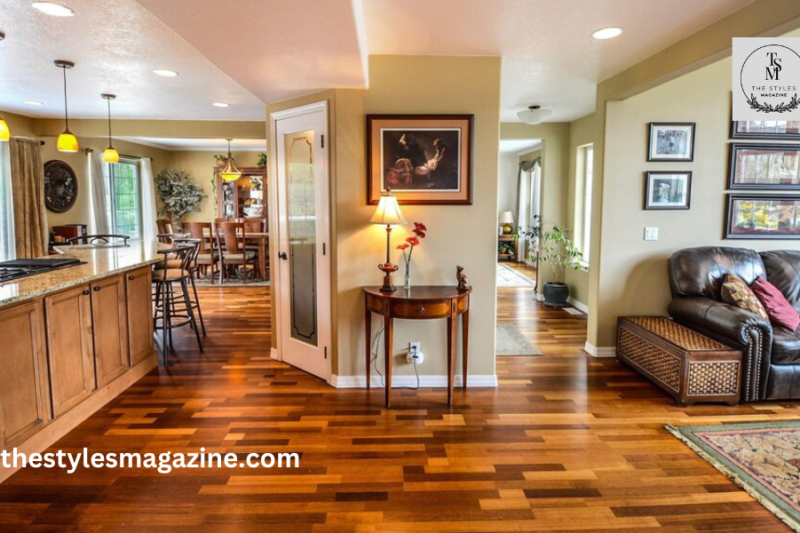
(208, 255)
(253, 224)
(165, 229)
(232, 237)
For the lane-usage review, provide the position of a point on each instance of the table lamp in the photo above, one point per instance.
(507, 219)
(388, 214)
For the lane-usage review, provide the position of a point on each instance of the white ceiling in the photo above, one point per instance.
(205, 145)
(249, 52)
(518, 146)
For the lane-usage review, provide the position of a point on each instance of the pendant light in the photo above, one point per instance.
(230, 172)
(66, 142)
(110, 155)
(5, 132)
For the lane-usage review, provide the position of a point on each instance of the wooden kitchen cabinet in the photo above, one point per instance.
(110, 331)
(25, 396)
(70, 347)
(140, 314)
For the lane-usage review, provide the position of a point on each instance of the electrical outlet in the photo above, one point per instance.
(650, 234)
(414, 353)
(415, 347)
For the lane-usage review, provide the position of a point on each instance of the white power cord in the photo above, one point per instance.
(374, 362)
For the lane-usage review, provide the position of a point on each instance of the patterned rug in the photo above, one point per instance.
(508, 277)
(762, 458)
(511, 341)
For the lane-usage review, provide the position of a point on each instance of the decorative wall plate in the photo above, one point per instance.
(60, 186)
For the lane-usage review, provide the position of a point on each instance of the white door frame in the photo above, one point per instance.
(276, 236)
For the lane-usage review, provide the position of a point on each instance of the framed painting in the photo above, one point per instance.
(764, 166)
(765, 129)
(762, 216)
(423, 159)
(667, 190)
(671, 141)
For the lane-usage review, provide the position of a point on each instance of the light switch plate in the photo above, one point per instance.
(650, 234)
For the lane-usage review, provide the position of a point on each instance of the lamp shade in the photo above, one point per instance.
(388, 211)
(506, 217)
(67, 142)
(5, 133)
(110, 155)
(229, 172)
(534, 115)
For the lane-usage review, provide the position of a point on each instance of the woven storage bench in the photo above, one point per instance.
(689, 366)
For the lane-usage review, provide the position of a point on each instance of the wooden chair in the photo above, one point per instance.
(231, 237)
(165, 229)
(254, 224)
(208, 255)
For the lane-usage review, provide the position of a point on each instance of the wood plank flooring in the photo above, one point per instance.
(566, 443)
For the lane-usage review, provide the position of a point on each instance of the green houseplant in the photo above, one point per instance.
(531, 236)
(179, 194)
(560, 252)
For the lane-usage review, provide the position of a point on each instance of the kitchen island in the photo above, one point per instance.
(72, 339)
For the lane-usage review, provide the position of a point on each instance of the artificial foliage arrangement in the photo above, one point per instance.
(262, 160)
(179, 194)
(420, 231)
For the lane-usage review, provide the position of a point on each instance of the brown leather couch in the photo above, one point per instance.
(771, 354)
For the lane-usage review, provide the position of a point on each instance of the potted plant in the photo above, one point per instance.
(531, 236)
(179, 194)
(558, 249)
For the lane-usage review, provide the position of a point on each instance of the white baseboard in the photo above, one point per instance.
(600, 351)
(580, 306)
(273, 353)
(360, 382)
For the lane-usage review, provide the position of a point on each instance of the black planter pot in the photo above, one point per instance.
(556, 294)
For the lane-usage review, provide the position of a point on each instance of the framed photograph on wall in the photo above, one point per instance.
(765, 129)
(671, 141)
(764, 166)
(423, 159)
(667, 190)
(762, 216)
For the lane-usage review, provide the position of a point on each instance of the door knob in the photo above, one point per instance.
(283, 256)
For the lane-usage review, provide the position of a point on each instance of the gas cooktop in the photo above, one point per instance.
(20, 268)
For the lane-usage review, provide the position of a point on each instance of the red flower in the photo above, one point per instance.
(413, 241)
(420, 226)
(403, 246)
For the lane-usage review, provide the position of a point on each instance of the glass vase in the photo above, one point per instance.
(407, 282)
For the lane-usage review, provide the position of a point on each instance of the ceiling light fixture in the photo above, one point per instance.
(607, 33)
(220, 104)
(66, 142)
(165, 73)
(230, 172)
(51, 8)
(534, 114)
(32, 102)
(110, 155)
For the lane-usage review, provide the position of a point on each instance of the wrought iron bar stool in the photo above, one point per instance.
(194, 269)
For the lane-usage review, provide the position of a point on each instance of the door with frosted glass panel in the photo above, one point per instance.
(304, 255)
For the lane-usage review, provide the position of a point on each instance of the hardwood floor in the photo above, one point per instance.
(566, 443)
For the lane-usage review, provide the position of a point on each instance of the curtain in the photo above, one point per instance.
(149, 230)
(27, 179)
(526, 189)
(7, 247)
(101, 218)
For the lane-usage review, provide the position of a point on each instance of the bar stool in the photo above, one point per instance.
(194, 269)
(172, 304)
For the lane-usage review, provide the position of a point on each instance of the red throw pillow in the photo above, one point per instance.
(778, 308)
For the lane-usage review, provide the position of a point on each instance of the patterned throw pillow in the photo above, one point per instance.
(736, 292)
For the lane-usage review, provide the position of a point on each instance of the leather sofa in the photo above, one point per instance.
(771, 369)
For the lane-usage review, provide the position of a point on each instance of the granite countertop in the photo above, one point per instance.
(99, 263)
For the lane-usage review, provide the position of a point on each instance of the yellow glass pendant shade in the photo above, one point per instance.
(67, 142)
(110, 155)
(5, 133)
(230, 172)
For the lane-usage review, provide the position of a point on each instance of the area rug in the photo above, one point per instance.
(508, 277)
(511, 341)
(762, 458)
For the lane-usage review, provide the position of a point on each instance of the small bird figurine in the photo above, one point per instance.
(463, 282)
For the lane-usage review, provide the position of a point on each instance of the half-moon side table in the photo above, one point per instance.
(419, 303)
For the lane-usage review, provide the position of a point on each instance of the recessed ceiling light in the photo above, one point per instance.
(220, 104)
(51, 8)
(165, 73)
(607, 33)
(32, 102)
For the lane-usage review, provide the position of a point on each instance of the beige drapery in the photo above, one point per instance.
(27, 181)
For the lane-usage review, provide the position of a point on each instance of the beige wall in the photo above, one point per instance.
(507, 176)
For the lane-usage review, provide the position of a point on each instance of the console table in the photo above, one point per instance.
(420, 303)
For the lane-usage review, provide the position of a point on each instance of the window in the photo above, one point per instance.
(583, 200)
(124, 197)
(7, 244)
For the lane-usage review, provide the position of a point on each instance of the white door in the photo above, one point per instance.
(304, 283)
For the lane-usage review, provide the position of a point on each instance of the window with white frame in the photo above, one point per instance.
(124, 197)
(583, 200)
(7, 243)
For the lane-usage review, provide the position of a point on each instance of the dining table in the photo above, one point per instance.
(259, 238)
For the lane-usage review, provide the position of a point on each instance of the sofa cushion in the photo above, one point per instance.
(736, 292)
(785, 347)
(699, 271)
(783, 271)
(780, 311)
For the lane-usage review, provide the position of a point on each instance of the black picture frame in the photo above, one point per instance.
(734, 148)
(653, 156)
(729, 231)
(735, 134)
(651, 176)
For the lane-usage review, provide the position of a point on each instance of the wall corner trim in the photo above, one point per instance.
(360, 382)
(273, 353)
(600, 351)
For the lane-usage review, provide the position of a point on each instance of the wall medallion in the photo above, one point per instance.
(60, 186)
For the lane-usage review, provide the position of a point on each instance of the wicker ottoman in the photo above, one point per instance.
(689, 366)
